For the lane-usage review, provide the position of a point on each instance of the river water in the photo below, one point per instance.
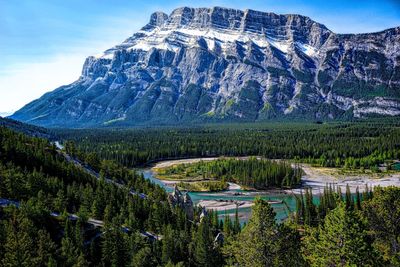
(283, 203)
(287, 201)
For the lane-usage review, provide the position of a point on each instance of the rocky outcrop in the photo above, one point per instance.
(177, 199)
(219, 240)
(220, 64)
(203, 213)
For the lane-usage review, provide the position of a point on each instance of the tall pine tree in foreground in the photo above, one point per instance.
(205, 252)
(19, 244)
(263, 242)
(341, 240)
(383, 216)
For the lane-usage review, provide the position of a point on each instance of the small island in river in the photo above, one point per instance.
(230, 173)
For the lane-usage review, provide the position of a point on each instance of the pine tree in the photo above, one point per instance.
(340, 241)
(19, 245)
(81, 261)
(236, 223)
(366, 193)
(114, 252)
(46, 249)
(68, 251)
(227, 225)
(339, 193)
(257, 244)
(358, 199)
(143, 258)
(300, 210)
(78, 237)
(310, 213)
(289, 243)
(382, 213)
(203, 244)
(349, 198)
(168, 245)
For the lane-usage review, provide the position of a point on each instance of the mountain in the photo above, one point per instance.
(220, 64)
(6, 113)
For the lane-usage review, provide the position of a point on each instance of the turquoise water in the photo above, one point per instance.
(282, 210)
(396, 166)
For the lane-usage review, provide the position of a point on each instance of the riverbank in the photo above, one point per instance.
(197, 184)
(231, 186)
(221, 205)
(228, 173)
(169, 163)
(315, 178)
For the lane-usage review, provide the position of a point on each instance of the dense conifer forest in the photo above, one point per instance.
(54, 213)
(363, 144)
(252, 172)
(80, 206)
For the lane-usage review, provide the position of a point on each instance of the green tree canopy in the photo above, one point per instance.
(263, 242)
(383, 215)
(341, 240)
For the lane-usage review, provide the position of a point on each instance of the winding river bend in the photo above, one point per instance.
(281, 202)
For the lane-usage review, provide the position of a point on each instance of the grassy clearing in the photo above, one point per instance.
(205, 186)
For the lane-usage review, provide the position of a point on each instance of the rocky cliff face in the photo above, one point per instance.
(177, 199)
(219, 64)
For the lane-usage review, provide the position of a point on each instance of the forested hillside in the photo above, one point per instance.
(27, 129)
(53, 212)
(75, 219)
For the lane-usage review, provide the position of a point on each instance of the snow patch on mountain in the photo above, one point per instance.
(202, 64)
(167, 39)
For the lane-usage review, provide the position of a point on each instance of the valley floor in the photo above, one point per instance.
(318, 177)
(314, 177)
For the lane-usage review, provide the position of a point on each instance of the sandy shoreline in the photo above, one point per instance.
(169, 163)
(233, 186)
(224, 205)
(220, 205)
(315, 177)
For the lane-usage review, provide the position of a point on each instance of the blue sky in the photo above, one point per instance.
(43, 44)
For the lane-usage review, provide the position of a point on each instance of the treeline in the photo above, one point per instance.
(351, 145)
(311, 214)
(57, 202)
(51, 225)
(354, 231)
(252, 172)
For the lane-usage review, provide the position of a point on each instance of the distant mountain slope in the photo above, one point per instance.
(27, 129)
(220, 64)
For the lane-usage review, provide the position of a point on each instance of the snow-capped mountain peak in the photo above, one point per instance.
(217, 64)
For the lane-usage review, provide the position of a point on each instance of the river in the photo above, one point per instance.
(278, 200)
(282, 202)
